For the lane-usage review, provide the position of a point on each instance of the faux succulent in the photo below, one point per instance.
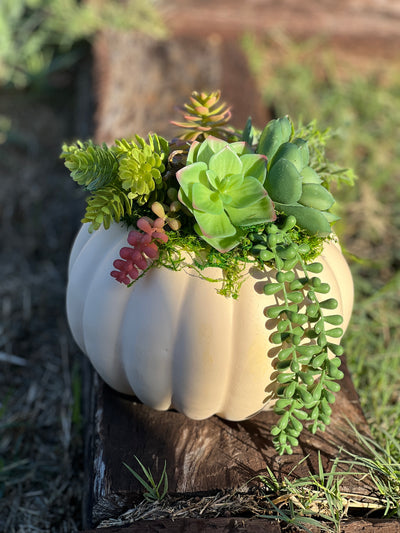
(222, 186)
(295, 187)
(204, 115)
(236, 196)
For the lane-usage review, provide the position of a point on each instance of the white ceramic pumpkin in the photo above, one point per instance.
(171, 340)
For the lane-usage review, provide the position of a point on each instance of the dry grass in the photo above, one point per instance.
(40, 465)
(224, 503)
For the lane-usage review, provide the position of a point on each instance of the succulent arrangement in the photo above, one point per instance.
(231, 198)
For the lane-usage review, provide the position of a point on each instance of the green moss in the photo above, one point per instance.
(174, 255)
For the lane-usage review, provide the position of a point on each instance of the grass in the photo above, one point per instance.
(153, 491)
(321, 495)
(318, 500)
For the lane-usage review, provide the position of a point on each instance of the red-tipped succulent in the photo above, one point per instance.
(144, 249)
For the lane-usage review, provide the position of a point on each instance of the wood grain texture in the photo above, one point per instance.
(205, 456)
(252, 525)
(376, 20)
(198, 525)
(138, 92)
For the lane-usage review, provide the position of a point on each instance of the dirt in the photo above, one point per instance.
(40, 209)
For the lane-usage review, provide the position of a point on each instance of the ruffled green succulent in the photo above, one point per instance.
(141, 166)
(295, 188)
(222, 186)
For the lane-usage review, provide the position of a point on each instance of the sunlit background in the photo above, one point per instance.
(57, 62)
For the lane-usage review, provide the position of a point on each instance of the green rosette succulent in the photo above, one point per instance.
(295, 187)
(222, 186)
(141, 166)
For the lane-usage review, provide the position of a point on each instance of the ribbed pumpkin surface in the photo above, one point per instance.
(171, 340)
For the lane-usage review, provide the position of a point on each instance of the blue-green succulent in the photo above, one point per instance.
(222, 186)
(295, 187)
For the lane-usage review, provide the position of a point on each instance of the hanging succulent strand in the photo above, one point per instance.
(307, 375)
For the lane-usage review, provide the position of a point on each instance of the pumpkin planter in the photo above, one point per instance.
(173, 341)
(234, 299)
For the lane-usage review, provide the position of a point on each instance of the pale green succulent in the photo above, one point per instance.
(91, 165)
(141, 166)
(222, 186)
(295, 188)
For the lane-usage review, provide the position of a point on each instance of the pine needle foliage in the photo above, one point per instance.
(328, 171)
(105, 205)
(91, 166)
(205, 116)
(118, 177)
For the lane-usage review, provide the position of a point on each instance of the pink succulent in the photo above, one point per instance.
(143, 252)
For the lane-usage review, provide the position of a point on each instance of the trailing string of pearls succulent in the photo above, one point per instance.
(307, 375)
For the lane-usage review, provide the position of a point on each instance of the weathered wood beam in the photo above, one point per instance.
(138, 91)
(205, 456)
(366, 21)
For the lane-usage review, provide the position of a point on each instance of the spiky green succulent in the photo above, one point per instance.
(91, 165)
(295, 187)
(205, 116)
(105, 205)
(131, 171)
(141, 166)
(221, 185)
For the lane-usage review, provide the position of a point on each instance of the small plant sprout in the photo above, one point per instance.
(153, 491)
(205, 115)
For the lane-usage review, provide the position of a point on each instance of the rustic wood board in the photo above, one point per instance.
(202, 457)
(358, 20)
(164, 75)
(230, 525)
(139, 80)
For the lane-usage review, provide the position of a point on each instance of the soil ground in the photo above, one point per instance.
(40, 440)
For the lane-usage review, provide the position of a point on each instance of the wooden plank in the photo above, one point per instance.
(197, 525)
(139, 80)
(164, 73)
(370, 25)
(371, 526)
(253, 525)
(206, 456)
